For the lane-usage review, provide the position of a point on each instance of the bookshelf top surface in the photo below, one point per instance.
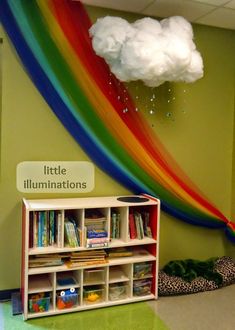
(85, 202)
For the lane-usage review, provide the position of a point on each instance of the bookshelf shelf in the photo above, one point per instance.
(83, 253)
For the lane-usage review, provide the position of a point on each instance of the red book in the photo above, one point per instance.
(132, 227)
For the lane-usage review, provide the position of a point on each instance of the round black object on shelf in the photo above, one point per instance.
(132, 199)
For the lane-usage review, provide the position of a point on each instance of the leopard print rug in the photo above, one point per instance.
(173, 285)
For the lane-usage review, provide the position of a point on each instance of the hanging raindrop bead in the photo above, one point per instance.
(125, 110)
(151, 112)
(169, 114)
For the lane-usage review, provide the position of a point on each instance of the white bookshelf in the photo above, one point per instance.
(113, 282)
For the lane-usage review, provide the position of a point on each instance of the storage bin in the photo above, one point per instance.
(93, 295)
(142, 269)
(117, 291)
(39, 302)
(66, 299)
(94, 275)
(142, 287)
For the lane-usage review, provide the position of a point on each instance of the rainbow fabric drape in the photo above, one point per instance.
(52, 40)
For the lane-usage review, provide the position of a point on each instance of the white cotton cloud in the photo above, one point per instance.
(148, 50)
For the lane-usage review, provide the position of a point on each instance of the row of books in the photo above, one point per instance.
(95, 232)
(139, 226)
(95, 237)
(73, 234)
(115, 225)
(45, 260)
(84, 258)
(45, 228)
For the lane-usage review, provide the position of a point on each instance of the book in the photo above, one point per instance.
(96, 233)
(147, 228)
(119, 252)
(70, 234)
(71, 264)
(45, 260)
(31, 230)
(118, 226)
(132, 226)
(94, 214)
(40, 228)
(66, 281)
(115, 225)
(52, 227)
(35, 229)
(45, 264)
(44, 228)
(139, 225)
(59, 229)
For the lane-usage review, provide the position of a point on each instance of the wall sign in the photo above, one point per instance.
(55, 177)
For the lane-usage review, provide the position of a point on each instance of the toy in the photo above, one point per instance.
(142, 287)
(92, 294)
(92, 297)
(117, 291)
(67, 298)
(142, 269)
(39, 303)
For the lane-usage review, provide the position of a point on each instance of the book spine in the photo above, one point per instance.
(137, 225)
(96, 234)
(118, 225)
(35, 229)
(94, 245)
(31, 230)
(141, 226)
(59, 230)
(73, 238)
(113, 225)
(52, 227)
(40, 228)
(132, 226)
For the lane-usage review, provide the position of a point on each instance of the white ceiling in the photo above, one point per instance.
(220, 13)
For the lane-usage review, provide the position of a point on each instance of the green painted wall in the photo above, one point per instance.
(199, 134)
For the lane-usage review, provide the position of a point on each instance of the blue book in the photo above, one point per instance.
(96, 233)
(40, 228)
(52, 227)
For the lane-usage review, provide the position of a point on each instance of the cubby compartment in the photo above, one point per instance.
(118, 291)
(94, 294)
(142, 270)
(39, 283)
(67, 279)
(142, 224)
(119, 273)
(73, 235)
(46, 229)
(93, 276)
(96, 227)
(142, 287)
(67, 298)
